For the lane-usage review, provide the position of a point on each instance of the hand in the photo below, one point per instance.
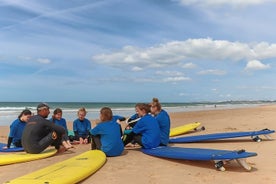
(5, 147)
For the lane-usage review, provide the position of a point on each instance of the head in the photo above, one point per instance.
(57, 114)
(106, 114)
(155, 106)
(43, 110)
(142, 109)
(81, 113)
(25, 115)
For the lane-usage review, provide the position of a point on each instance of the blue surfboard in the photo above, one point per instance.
(201, 154)
(15, 149)
(226, 135)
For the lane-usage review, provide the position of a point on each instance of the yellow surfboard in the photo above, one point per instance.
(12, 158)
(70, 171)
(183, 129)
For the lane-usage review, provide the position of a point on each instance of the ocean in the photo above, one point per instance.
(9, 111)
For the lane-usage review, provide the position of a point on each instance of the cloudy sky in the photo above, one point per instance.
(129, 51)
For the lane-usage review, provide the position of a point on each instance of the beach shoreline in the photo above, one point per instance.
(135, 167)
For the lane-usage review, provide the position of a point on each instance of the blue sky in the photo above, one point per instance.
(130, 51)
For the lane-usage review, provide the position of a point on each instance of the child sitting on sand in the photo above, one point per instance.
(58, 120)
(16, 129)
(146, 131)
(106, 135)
(81, 127)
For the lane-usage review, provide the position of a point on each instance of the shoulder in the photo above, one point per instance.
(76, 121)
(87, 120)
(15, 121)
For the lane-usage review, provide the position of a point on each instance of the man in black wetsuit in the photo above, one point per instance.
(40, 133)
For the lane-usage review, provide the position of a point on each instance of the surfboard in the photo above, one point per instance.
(220, 157)
(72, 170)
(226, 135)
(184, 129)
(14, 149)
(13, 158)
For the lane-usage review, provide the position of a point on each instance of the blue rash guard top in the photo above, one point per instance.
(16, 130)
(61, 122)
(82, 127)
(148, 127)
(110, 136)
(164, 122)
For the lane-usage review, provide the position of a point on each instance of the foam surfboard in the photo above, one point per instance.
(184, 129)
(72, 170)
(13, 158)
(216, 155)
(14, 149)
(216, 136)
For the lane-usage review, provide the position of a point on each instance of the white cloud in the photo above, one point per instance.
(256, 65)
(43, 60)
(176, 53)
(136, 69)
(212, 72)
(176, 79)
(169, 73)
(188, 65)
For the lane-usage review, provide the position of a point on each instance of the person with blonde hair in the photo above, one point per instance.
(106, 135)
(81, 127)
(163, 119)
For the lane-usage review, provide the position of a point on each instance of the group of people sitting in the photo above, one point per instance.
(35, 132)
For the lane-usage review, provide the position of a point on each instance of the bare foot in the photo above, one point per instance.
(61, 149)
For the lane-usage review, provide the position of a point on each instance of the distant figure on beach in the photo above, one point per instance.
(16, 129)
(82, 127)
(40, 133)
(59, 120)
(146, 131)
(163, 120)
(106, 135)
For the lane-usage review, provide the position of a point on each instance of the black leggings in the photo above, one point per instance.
(132, 137)
(96, 142)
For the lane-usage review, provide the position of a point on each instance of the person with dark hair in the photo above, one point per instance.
(59, 120)
(41, 133)
(163, 120)
(81, 127)
(146, 131)
(16, 129)
(106, 135)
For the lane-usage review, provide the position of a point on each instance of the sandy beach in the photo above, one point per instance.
(135, 167)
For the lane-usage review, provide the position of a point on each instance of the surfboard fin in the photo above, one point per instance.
(242, 162)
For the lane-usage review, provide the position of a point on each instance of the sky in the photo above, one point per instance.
(131, 51)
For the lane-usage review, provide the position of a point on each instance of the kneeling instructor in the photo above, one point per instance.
(40, 133)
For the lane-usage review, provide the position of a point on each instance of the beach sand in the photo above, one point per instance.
(135, 167)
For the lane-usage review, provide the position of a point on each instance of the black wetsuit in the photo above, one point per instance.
(38, 135)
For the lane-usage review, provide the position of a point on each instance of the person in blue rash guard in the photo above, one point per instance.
(81, 127)
(163, 119)
(59, 120)
(146, 131)
(106, 135)
(118, 118)
(16, 129)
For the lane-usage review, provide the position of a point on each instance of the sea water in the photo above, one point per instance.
(9, 111)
